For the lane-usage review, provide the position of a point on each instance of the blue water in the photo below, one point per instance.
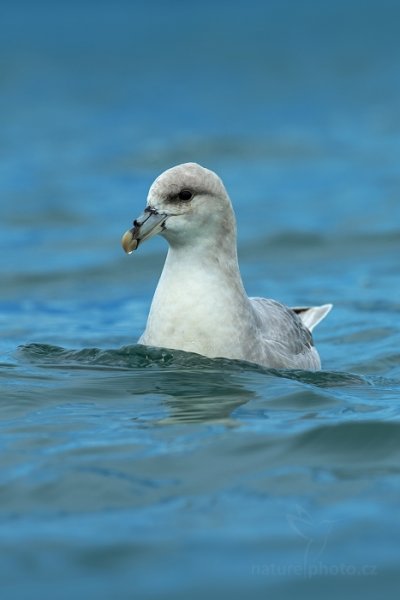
(132, 472)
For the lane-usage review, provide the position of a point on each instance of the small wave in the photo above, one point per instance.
(127, 357)
(145, 357)
(364, 441)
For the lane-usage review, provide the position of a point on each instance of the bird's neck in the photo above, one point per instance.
(196, 292)
(203, 268)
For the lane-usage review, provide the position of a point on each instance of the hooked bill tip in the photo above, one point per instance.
(129, 243)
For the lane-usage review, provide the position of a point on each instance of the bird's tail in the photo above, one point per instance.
(312, 315)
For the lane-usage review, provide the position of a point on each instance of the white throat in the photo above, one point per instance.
(198, 303)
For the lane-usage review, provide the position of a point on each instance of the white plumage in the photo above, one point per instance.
(200, 304)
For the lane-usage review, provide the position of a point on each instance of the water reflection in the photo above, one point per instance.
(192, 388)
(186, 387)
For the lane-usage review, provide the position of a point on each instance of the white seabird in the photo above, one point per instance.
(200, 304)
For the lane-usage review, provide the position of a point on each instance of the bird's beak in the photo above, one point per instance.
(144, 227)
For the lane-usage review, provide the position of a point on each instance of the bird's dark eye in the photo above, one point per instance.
(185, 195)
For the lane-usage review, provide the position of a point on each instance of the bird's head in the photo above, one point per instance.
(186, 204)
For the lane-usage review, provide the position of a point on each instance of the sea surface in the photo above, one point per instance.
(134, 472)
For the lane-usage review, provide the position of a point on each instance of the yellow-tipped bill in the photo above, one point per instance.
(144, 227)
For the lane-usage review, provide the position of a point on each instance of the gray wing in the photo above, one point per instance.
(285, 335)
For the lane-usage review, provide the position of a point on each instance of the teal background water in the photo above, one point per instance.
(129, 472)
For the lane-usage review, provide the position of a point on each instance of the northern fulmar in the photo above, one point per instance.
(200, 304)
